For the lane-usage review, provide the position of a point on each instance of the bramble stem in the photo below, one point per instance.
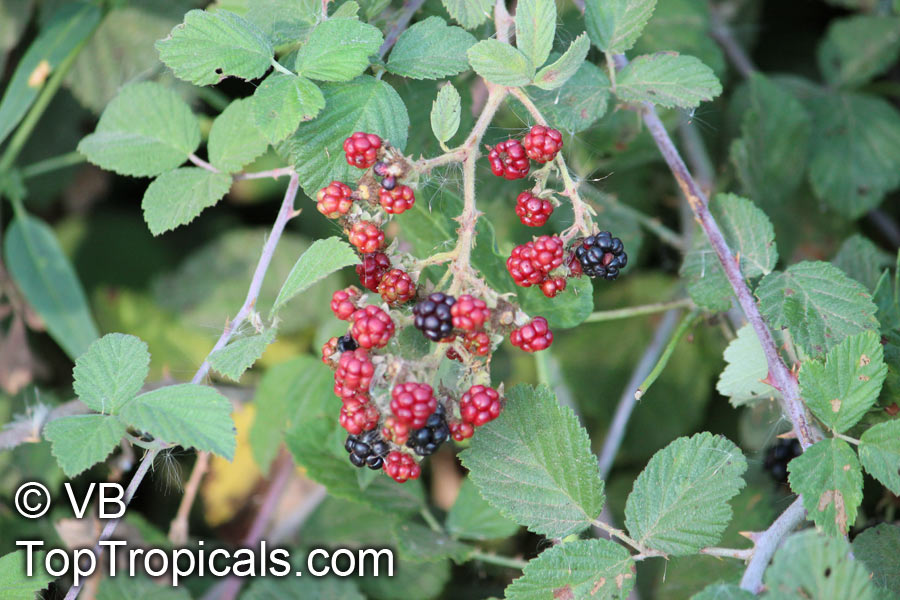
(201, 163)
(637, 311)
(767, 542)
(683, 327)
(740, 554)
(273, 173)
(409, 9)
(500, 561)
(624, 537)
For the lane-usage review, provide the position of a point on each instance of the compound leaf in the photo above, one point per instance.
(111, 372)
(679, 502)
(178, 197)
(238, 356)
(564, 68)
(234, 139)
(830, 479)
(431, 49)
(667, 79)
(534, 464)
(338, 50)
(535, 29)
(615, 25)
(282, 102)
(81, 441)
(321, 259)
(500, 63)
(469, 13)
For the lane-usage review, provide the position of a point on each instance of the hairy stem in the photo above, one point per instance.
(284, 215)
(767, 542)
(637, 311)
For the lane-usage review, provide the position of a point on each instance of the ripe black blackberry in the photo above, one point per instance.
(367, 449)
(426, 440)
(779, 455)
(433, 317)
(601, 255)
(346, 342)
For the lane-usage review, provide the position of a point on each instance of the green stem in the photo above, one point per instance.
(541, 361)
(54, 163)
(636, 311)
(501, 561)
(281, 68)
(683, 327)
(37, 109)
(431, 520)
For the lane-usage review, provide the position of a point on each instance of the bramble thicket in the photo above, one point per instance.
(556, 300)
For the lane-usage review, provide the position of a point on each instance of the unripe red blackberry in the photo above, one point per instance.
(366, 236)
(395, 431)
(533, 336)
(477, 343)
(372, 327)
(344, 302)
(397, 287)
(396, 200)
(357, 419)
(460, 431)
(334, 200)
(601, 255)
(533, 211)
(329, 350)
(412, 403)
(508, 160)
(542, 143)
(432, 316)
(469, 313)
(401, 466)
(531, 262)
(361, 149)
(372, 269)
(552, 286)
(354, 372)
(480, 405)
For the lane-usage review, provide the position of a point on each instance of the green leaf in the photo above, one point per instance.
(62, 34)
(750, 236)
(14, 581)
(879, 452)
(445, 111)
(862, 260)
(82, 441)
(418, 543)
(679, 502)
(538, 452)
(111, 372)
(856, 49)
(146, 130)
(500, 63)
(46, 279)
(238, 356)
(208, 47)
(116, 588)
(771, 154)
(564, 68)
(430, 49)
(472, 518)
(178, 197)
(843, 388)
(577, 104)
(746, 367)
(830, 479)
(308, 442)
(282, 102)
(818, 303)
(308, 588)
(682, 26)
(667, 79)
(568, 309)
(285, 22)
(411, 581)
(855, 151)
(535, 29)
(469, 13)
(723, 591)
(579, 569)
(878, 548)
(190, 415)
(811, 565)
(365, 104)
(338, 50)
(321, 259)
(615, 25)
(234, 140)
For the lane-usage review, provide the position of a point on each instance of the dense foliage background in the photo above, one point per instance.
(794, 160)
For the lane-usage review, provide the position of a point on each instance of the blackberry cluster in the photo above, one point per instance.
(346, 342)
(367, 449)
(433, 316)
(601, 255)
(778, 457)
(426, 440)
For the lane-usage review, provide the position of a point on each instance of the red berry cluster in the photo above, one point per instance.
(531, 263)
(479, 405)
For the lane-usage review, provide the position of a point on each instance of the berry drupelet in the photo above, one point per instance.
(334, 200)
(426, 440)
(367, 449)
(533, 336)
(366, 236)
(601, 255)
(542, 143)
(362, 149)
(432, 316)
(533, 211)
(397, 287)
(372, 269)
(779, 455)
(396, 200)
(509, 160)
